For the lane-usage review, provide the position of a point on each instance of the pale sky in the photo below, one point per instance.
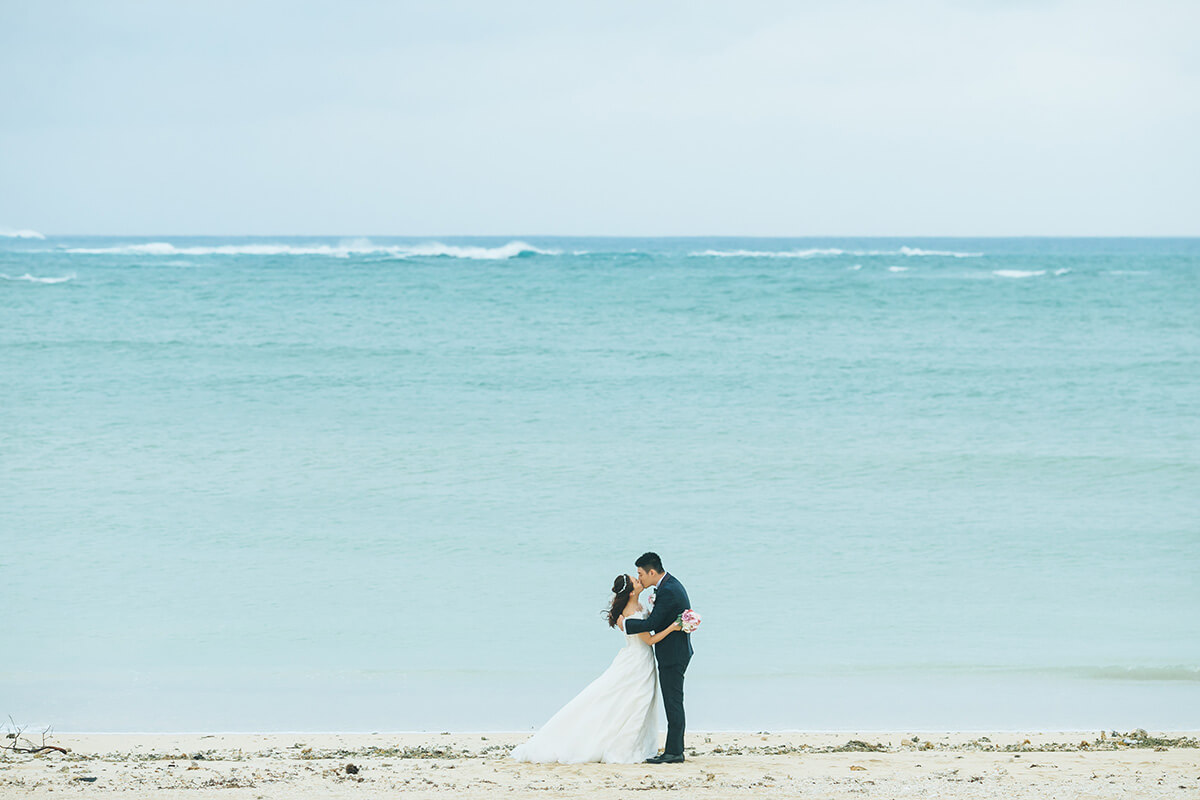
(621, 117)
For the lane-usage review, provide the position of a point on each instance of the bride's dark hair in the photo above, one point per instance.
(622, 588)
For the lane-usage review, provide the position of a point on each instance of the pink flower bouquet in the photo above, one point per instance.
(689, 621)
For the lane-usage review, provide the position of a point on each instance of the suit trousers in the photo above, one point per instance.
(670, 678)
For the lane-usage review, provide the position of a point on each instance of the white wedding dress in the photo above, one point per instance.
(614, 720)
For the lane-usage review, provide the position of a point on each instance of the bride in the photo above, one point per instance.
(615, 719)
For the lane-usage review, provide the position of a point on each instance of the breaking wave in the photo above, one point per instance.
(811, 253)
(817, 252)
(9, 233)
(359, 247)
(1018, 273)
(35, 279)
(437, 249)
(916, 251)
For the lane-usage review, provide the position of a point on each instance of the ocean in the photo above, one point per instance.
(340, 483)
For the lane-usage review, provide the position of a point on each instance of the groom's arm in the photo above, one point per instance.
(666, 610)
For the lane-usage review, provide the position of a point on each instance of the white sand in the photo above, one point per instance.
(720, 765)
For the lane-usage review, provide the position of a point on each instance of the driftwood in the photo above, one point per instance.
(29, 747)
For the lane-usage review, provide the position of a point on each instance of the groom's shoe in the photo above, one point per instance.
(666, 758)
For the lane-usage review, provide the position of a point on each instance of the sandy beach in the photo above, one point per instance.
(719, 765)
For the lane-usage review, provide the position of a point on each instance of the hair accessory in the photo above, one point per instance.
(624, 583)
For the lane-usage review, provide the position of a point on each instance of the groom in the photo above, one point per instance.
(673, 653)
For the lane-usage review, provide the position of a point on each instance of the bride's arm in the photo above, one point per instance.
(658, 637)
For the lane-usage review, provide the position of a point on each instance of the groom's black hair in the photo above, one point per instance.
(650, 561)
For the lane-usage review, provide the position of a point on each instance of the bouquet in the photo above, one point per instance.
(689, 621)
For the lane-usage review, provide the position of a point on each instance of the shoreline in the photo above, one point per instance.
(507, 732)
(719, 764)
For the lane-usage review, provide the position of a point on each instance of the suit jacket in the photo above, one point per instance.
(670, 601)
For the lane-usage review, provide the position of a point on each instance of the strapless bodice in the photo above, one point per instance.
(632, 639)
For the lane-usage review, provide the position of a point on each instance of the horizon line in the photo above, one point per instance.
(603, 235)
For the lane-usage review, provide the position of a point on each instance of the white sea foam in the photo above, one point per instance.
(1063, 271)
(35, 278)
(897, 269)
(811, 253)
(358, 247)
(435, 249)
(856, 268)
(9, 233)
(1167, 673)
(1018, 273)
(916, 251)
(829, 251)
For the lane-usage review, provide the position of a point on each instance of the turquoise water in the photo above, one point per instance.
(384, 484)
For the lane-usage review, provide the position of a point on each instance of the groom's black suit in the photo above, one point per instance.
(673, 654)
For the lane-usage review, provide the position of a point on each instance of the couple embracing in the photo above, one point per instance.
(615, 719)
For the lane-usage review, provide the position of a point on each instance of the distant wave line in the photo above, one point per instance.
(817, 252)
(1129, 673)
(810, 253)
(1018, 273)
(345, 250)
(9, 233)
(1174, 673)
(35, 278)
